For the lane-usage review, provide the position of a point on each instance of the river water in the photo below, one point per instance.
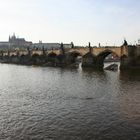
(42, 103)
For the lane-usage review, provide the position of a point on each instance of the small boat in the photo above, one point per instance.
(112, 67)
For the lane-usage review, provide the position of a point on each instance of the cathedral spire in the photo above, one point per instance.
(9, 38)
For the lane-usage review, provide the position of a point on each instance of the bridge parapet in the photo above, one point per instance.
(81, 50)
(95, 50)
(91, 56)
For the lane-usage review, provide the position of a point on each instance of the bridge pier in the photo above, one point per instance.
(95, 62)
(90, 61)
(132, 60)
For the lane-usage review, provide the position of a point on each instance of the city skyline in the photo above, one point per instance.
(80, 21)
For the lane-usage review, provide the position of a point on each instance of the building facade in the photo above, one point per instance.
(15, 42)
(18, 42)
(49, 46)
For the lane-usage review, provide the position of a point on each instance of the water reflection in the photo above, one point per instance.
(56, 103)
(130, 75)
(130, 95)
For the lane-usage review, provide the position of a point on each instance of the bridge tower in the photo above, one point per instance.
(124, 49)
(130, 58)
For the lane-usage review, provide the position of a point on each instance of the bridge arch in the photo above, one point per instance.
(52, 55)
(75, 53)
(72, 57)
(22, 55)
(105, 53)
(101, 57)
(88, 60)
(35, 55)
(35, 58)
(13, 55)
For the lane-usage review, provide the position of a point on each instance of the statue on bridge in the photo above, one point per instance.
(72, 45)
(43, 51)
(28, 50)
(125, 43)
(62, 48)
(89, 46)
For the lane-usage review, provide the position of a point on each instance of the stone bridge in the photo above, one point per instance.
(95, 51)
(81, 51)
(91, 56)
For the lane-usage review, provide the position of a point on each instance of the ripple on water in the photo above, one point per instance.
(63, 104)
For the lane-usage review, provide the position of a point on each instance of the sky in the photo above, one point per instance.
(80, 21)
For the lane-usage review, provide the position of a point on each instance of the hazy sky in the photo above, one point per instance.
(80, 21)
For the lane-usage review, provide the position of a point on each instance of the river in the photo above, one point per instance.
(44, 103)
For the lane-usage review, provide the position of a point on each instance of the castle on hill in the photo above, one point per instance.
(15, 42)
